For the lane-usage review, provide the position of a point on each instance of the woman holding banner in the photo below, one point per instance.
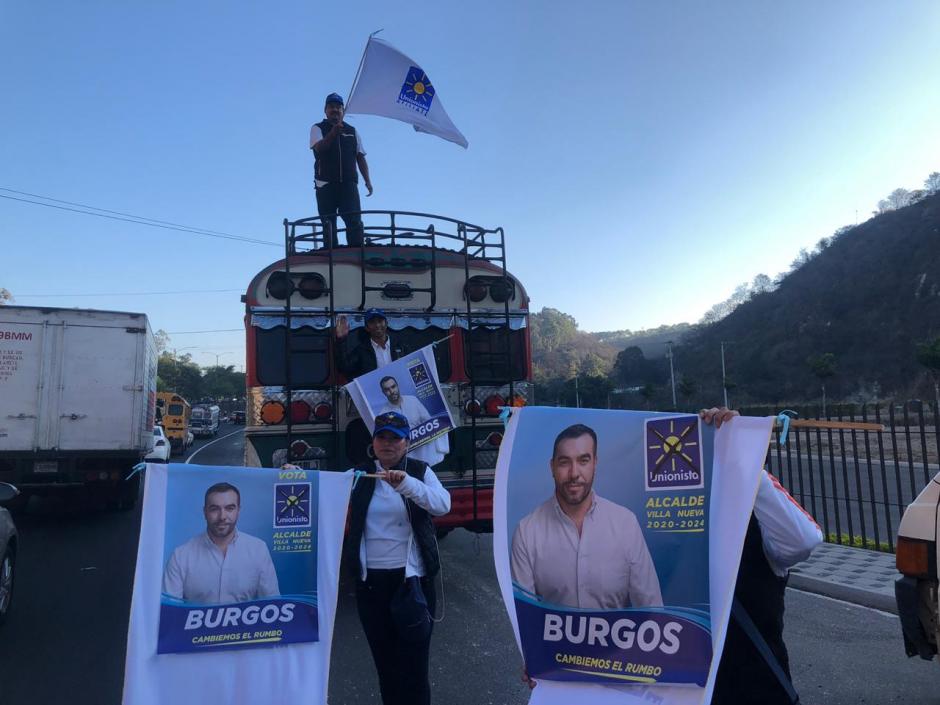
(391, 549)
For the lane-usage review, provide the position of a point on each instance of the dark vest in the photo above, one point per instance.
(743, 675)
(338, 161)
(421, 524)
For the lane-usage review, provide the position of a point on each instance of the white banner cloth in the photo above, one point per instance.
(393, 85)
(295, 673)
(740, 449)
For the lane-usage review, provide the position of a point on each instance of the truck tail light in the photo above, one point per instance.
(299, 411)
(273, 412)
(494, 439)
(472, 407)
(323, 411)
(493, 403)
(517, 400)
(913, 557)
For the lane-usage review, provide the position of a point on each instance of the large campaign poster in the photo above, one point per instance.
(411, 387)
(240, 557)
(607, 551)
(297, 520)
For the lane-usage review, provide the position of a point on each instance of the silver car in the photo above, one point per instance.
(8, 545)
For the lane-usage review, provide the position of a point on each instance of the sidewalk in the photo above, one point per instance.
(851, 574)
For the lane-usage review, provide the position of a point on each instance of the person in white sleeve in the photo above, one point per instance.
(755, 665)
(390, 545)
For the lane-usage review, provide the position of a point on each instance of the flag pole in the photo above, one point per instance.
(359, 70)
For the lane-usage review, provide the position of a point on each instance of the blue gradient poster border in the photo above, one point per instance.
(261, 590)
(655, 466)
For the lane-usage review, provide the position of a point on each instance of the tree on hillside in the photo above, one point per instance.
(899, 198)
(824, 367)
(5, 296)
(631, 367)
(550, 329)
(932, 183)
(928, 354)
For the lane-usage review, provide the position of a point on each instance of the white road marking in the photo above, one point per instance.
(844, 602)
(220, 438)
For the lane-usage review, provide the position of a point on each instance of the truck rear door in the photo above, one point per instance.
(21, 369)
(99, 388)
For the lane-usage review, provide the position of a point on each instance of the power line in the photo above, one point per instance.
(129, 218)
(134, 293)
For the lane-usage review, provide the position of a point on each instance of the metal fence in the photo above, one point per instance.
(857, 483)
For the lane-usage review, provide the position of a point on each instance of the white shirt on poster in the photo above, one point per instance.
(198, 572)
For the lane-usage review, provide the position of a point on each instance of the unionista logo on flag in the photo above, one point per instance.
(417, 91)
(673, 453)
(292, 505)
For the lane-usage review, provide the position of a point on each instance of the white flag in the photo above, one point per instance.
(392, 85)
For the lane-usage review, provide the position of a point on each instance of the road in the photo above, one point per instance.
(65, 639)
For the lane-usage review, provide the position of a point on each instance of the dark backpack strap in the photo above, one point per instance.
(747, 624)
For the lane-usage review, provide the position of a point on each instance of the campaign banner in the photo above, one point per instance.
(240, 556)
(605, 547)
(232, 561)
(411, 387)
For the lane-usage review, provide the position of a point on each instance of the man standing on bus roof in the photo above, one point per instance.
(337, 151)
(357, 357)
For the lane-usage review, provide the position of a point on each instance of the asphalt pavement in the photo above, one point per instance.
(65, 640)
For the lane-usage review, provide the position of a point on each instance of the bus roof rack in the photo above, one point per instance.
(398, 228)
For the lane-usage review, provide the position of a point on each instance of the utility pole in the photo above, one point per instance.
(672, 374)
(724, 384)
(577, 394)
(218, 355)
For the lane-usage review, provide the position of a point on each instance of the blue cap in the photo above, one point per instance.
(334, 98)
(391, 421)
(373, 313)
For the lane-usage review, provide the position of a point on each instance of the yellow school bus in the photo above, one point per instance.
(173, 414)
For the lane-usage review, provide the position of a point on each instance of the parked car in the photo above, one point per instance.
(8, 546)
(916, 589)
(160, 453)
(238, 417)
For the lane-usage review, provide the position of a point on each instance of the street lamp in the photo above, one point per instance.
(218, 355)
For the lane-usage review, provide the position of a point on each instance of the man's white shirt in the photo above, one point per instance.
(198, 572)
(409, 407)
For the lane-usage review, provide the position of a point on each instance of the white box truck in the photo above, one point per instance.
(77, 400)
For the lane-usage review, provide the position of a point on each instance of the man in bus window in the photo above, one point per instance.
(337, 152)
(223, 564)
(356, 357)
(578, 549)
(408, 406)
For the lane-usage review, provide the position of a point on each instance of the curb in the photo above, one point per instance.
(846, 593)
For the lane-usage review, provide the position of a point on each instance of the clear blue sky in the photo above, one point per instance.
(644, 158)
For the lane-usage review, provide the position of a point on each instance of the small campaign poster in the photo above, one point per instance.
(411, 387)
(240, 559)
(607, 521)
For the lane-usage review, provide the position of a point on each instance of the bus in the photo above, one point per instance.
(173, 413)
(205, 420)
(439, 280)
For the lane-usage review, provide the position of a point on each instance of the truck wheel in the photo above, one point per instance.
(7, 565)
